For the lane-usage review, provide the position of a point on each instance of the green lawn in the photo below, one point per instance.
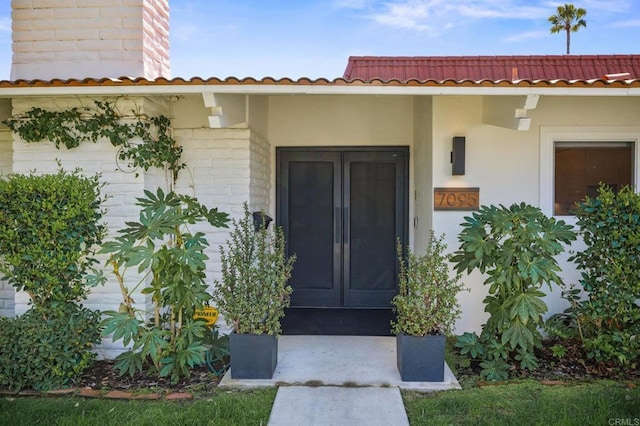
(222, 408)
(528, 403)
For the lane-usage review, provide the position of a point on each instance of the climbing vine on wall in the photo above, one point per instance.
(71, 127)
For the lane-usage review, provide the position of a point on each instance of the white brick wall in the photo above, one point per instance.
(155, 38)
(122, 188)
(260, 173)
(7, 295)
(90, 38)
(6, 157)
(225, 168)
(6, 151)
(218, 174)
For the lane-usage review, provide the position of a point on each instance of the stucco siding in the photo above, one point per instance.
(603, 119)
(586, 111)
(421, 171)
(505, 165)
(340, 120)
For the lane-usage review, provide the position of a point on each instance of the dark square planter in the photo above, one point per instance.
(253, 356)
(420, 358)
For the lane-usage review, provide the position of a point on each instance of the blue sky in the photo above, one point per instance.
(314, 38)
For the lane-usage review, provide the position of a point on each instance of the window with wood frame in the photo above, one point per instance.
(580, 167)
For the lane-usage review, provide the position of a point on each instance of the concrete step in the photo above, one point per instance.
(351, 361)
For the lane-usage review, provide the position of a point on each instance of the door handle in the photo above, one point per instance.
(336, 224)
(346, 225)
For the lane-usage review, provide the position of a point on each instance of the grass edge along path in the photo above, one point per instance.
(525, 403)
(529, 403)
(221, 408)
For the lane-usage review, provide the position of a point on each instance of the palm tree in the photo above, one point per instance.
(568, 18)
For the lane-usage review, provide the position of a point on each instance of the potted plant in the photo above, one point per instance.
(253, 294)
(426, 308)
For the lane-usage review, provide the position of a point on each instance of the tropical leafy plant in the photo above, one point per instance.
(427, 300)
(515, 247)
(217, 355)
(254, 292)
(171, 261)
(491, 354)
(609, 316)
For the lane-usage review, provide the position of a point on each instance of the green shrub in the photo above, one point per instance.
(515, 247)
(161, 247)
(50, 227)
(609, 317)
(254, 292)
(45, 349)
(427, 301)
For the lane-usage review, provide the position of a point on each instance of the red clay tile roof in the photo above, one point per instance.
(493, 68)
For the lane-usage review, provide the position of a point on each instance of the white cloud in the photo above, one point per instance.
(501, 10)
(529, 35)
(350, 4)
(610, 6)
(593, 6)
(185, 32)
(412, 15)
(435, 15)
(5, 24)
(635, 23)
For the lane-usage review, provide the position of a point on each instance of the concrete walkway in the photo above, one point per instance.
(298, 405)
(338, 380)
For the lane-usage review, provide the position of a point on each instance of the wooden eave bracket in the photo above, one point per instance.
(509, 112)
(523, 122)
(214, 111)
(224, 110)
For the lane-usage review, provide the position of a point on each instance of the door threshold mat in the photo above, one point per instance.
(337, 322)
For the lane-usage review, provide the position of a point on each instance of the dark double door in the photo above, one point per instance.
(342, 211)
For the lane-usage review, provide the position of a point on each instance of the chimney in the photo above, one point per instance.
(98, 38)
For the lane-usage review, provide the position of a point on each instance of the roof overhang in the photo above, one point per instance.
(269, 86)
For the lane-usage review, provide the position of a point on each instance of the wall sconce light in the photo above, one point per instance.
(457, 156)
(260, 221)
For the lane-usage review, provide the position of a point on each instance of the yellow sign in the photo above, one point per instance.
(208, 314)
